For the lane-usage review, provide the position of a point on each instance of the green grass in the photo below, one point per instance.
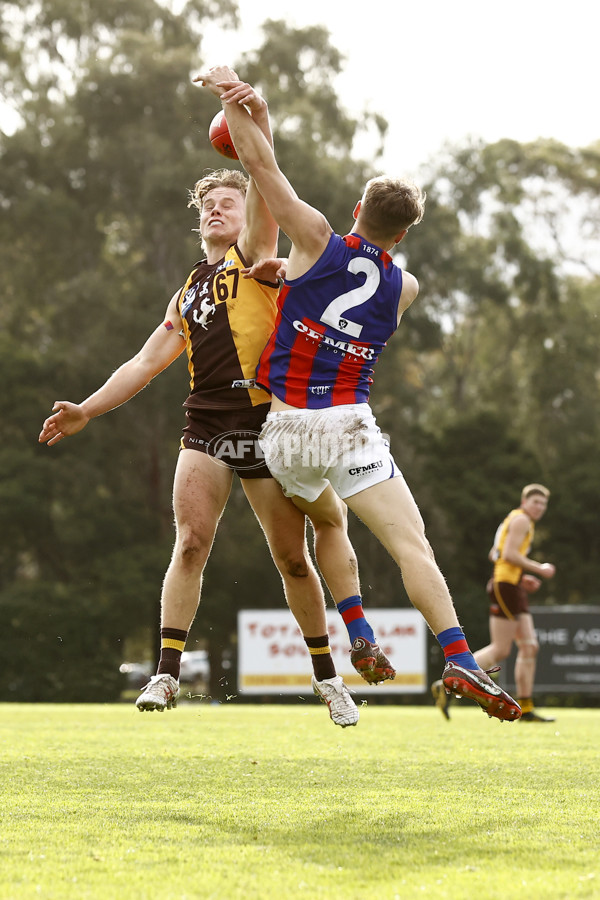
(258, 802)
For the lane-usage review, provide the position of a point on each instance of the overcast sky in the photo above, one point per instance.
(440, 71)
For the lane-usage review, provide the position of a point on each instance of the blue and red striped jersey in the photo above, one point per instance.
(332, 324)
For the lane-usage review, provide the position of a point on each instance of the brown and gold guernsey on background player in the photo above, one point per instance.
(507, 596)
(515, 576)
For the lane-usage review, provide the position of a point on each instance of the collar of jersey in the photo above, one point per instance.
(354, 241)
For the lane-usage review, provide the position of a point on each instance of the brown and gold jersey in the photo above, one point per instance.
(227, 320)
(503, 570)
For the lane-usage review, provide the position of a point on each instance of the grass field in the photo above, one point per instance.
(257, 802)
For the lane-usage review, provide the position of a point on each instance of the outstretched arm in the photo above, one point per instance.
(163, 346)
(307, 227)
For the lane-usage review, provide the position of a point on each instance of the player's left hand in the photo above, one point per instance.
(271, 269)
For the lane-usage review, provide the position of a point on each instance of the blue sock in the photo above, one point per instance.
(351, 611)
(455, 647)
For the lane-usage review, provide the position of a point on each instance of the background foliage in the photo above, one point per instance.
(492, 381)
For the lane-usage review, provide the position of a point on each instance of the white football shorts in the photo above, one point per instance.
(307, 449)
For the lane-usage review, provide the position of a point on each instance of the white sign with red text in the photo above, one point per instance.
(273, 658)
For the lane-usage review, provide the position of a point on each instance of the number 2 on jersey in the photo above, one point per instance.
(334, 312)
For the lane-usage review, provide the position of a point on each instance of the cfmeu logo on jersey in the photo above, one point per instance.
(237, 449)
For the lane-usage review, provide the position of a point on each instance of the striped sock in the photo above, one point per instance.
(351, 611)
(455, 647)
(320, 656)
(172, 644)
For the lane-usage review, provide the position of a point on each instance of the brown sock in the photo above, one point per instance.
(320, 655)
(172, 643)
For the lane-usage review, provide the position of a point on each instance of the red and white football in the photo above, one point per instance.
(220, 138)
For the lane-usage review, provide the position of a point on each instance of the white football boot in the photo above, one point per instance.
(333, 692)
(160, 693)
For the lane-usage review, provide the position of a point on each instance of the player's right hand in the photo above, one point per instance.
(530, 583)
(272, 269)
(547, 570)
(68, 419)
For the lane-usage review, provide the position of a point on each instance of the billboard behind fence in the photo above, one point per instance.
(273, 658)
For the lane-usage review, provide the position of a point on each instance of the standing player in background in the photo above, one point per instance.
(341, 301)
(508, 589)
(223, 320)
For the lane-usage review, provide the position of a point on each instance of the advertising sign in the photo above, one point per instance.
(569, 655)
(273, 658)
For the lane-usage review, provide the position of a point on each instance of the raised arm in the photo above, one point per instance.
(307, 228)
(163, 346)
(258, 238)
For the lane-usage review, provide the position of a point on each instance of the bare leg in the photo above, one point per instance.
(285, 530)
(339, 567)
(527, 655)
(502, 635)
(200, 492)
(391, 514)
(335, 554)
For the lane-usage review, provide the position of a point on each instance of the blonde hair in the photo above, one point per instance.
(530, 489)
(227, 178)
(391, 205)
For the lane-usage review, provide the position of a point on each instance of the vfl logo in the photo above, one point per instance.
(343, 323)
(188, 299)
